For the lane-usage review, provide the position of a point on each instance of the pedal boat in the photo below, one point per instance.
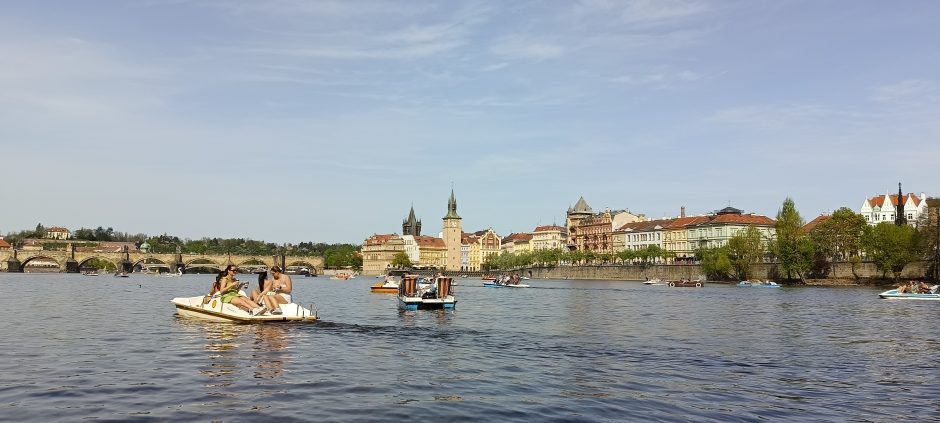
(388, 287)
(216, 311)
(687, 284)
(758, 284)
(436, 295)
(894, 295)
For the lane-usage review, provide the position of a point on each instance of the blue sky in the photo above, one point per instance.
(294, 120)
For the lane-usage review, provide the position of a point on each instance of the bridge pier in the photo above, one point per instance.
(14, 266)
(71, 266)
(126, 266)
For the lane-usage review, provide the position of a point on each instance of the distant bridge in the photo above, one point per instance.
(72, 261)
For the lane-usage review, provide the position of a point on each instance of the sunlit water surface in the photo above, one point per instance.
(103, 348)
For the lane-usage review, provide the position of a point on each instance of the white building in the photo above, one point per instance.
(412, 249)
(883, 208)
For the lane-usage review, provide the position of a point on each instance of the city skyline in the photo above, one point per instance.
(292, 121)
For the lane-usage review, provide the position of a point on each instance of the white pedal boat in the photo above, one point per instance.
(216, 311)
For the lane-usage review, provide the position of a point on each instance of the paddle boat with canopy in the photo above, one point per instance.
(438, 294)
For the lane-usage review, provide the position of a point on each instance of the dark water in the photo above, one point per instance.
(112, 349)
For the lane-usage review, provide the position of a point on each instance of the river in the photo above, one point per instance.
(113, 349)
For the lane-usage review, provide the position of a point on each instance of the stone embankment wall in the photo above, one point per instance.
(839, 271)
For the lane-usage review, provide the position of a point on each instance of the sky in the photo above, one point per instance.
(325, 121)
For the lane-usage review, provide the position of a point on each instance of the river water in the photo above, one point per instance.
(113, 349)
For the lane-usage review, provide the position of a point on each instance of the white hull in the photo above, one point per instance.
(216, 311)
(893, 295)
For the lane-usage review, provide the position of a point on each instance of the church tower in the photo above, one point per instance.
(411, 225)
(452, 234)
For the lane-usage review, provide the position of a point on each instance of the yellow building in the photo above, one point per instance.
(516, 243)
(378, 251)
(676, 237)
(549, 237)
(432, 252)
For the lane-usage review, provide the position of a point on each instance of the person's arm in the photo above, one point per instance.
(288, 285)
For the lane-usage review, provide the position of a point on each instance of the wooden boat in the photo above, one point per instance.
(687, 283)
(215, 311)
(436, 295)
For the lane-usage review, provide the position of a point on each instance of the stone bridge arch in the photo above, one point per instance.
(309, 264)
(25, 262)
(81, 263)
(204, 263)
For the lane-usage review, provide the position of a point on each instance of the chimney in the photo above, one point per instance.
(682, 211)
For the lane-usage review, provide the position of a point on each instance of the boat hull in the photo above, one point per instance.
(745, 284)
(216, 311)
(687, 284)
(417, 303)
(893, 295)
(379, 289)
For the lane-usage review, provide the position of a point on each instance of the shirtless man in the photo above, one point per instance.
(277, 290)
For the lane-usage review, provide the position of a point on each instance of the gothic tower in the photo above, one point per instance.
(411, 225)
(452, 234)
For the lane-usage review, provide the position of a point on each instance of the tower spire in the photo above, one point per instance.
(452, 207)
(899, 218)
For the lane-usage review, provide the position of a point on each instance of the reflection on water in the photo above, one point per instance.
(269, 346)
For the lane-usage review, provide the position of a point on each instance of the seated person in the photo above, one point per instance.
(229, 288)
(924, 288)
(277, 290)
(215, 288)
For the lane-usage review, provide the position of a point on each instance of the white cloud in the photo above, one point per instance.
(659, 79)
(523, 47)
(907, 90)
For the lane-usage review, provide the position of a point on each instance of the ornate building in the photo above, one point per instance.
(411, 225)
(887, 208)
(452, 234)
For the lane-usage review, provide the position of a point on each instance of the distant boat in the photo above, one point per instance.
(121, 275)
(758, 284)
(91, 273)
(687, 283)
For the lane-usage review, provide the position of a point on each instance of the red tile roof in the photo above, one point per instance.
(57, 229)
(743, 219)
(379, 239)
(517, 237)
(880, 200)
(4, 244)
(682, 222)
(807, 228)
(547, 228)
(648, 225)
(430, 241)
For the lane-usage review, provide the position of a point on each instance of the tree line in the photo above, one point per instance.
(844, 237)
(334, 255)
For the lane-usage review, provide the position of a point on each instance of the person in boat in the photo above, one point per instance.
(229, 288)
(277, 290)
(215, 288)
(924, 288)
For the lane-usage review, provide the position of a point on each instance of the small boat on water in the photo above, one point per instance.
(758, 284)
(653, 282)
(343, 276)
(90, 273)
(216, 311)
(437, 294)
(687, 283)
(505, 282)
(893, 294)
(390, 284)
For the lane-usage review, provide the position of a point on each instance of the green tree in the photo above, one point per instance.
(715, 262)
(840, 237)
(892, 247)
(401, 260)
(792, 247)
(745, 249)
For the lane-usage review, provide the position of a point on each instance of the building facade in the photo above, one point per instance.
(378, 251)
(549, 237)
(433, 252)
(883, 208)
(718, 228)
(58, 232)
